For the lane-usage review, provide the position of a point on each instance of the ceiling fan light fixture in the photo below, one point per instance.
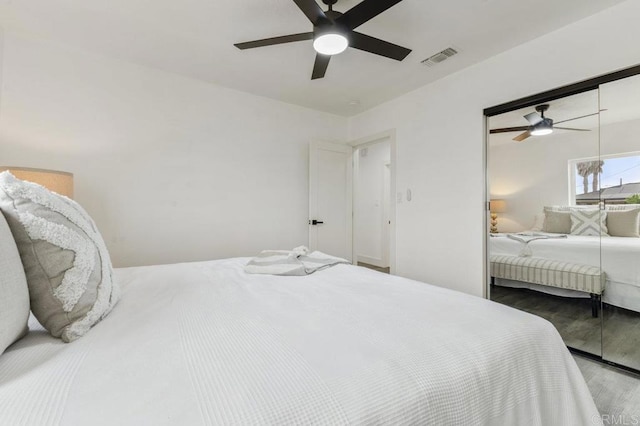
(331, 43)
(545, 127)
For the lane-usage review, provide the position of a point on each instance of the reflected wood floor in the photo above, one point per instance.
(618, 333)
(571, 316)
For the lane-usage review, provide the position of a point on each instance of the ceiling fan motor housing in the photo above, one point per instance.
(330, 27)
(546, 123)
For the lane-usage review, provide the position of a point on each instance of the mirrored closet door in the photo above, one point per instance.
(544, 260)
(619, 190)
(564, 187)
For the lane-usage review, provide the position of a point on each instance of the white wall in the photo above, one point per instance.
(534, 174)
(440, 132)
(171, 169)
(369, 204)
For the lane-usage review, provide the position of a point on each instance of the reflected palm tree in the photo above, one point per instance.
(587, 168)
(584, 171)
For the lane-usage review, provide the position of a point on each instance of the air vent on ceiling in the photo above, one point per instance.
(439, 57)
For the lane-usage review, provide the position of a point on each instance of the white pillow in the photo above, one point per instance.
(588, 222)
(68, 269)
(538, 222)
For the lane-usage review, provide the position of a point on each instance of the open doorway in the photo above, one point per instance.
(372, 209)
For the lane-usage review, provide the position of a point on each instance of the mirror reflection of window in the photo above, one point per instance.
(614, 179)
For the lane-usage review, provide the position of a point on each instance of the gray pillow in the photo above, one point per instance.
(66, 262)
(624, 223)
(14, 295)
(558, 222)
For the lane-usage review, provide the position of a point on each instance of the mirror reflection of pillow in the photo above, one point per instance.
(557, 222)
(589, 222)
(538, 222)
(624, 223)
(68, 268)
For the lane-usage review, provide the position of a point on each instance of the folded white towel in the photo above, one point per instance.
(294, 262)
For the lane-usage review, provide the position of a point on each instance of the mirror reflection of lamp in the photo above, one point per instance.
(496, 206)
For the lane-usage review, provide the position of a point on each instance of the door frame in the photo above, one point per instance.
(387, 135)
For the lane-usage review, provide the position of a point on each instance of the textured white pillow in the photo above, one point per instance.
(14, 295)
(588, 222)
(622, 207)
(66, 262)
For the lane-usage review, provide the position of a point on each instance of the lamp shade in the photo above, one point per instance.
(498, 206)
(53, 180)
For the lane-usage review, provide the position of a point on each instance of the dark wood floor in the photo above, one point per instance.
(615, 392)
(614, 335)
(375, 268)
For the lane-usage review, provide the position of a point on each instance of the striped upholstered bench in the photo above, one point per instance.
(553, 273)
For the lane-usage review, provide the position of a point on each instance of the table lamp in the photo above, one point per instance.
(53, 180)
(496, 206)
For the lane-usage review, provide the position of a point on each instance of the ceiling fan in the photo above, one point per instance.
(540, 125)
(333, 32)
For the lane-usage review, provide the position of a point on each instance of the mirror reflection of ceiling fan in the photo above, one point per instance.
(540, 125)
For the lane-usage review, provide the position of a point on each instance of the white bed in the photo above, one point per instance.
(205, 343)
(618, 257)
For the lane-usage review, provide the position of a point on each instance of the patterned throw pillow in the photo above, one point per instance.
(68, 269)
(588, 222)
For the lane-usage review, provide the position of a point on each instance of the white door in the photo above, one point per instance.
(330, 203)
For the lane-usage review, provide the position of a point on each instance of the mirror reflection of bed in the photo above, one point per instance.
(565, 237)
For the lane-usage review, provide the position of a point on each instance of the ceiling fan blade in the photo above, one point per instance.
(274, 40)
(320, 66)
(522, 136)
(582, 116)
(365, 11)
(379, 47)
(312, 10)
(533, 118)
(569, 128)
(509, 129)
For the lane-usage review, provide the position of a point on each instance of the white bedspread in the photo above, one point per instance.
(206, 343)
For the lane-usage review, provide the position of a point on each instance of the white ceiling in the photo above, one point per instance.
(195, 38)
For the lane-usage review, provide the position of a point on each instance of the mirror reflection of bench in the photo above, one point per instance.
(552, 273)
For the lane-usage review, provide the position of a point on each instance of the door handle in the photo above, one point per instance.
(315, 222)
